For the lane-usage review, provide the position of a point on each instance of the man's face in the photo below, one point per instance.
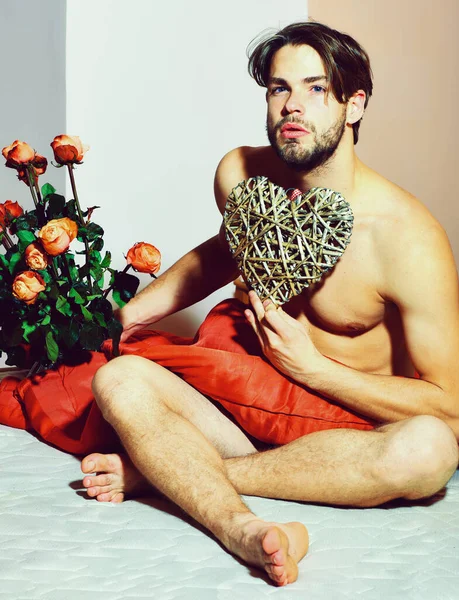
(305, 122)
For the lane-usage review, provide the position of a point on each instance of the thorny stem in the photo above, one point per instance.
(80, 214)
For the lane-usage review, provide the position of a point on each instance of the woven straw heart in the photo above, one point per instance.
(282, 246)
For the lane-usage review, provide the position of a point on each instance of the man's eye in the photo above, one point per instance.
(278, 89)
(318, 89)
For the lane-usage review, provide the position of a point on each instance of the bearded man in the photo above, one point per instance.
(377, 339)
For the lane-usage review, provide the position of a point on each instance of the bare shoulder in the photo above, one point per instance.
(236, 166)
(412, 246)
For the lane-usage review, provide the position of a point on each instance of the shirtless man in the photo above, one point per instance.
(389, 308)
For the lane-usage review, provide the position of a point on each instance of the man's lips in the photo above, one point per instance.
(293, 130)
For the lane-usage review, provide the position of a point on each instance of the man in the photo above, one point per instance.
(388, 310)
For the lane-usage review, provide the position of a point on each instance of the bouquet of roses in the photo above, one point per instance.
(54, 279)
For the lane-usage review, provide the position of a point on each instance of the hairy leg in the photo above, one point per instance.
(156, 415)
(410, 459)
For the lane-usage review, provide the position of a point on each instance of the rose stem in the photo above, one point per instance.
(108, 290)
(32, 187)
(54, 267)
(66, 267)
(7, 241)
(80, 214)
(75, 195)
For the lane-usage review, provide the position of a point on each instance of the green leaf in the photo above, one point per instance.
(56, 206)
(64, 307)
(98, 244)
(71, 333)
(26, 236)
(46, 320)
(86, 314)
(99, 318)
(71, 211)
(107, 260)
(27, 329)
(14, 259)
(126, 285)
(91, 336)
(52, 349)
(46, 190)
(91, 231)
(76, 296)
(118, 299)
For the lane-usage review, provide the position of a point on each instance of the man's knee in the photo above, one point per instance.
(117, 384)
(419, 458)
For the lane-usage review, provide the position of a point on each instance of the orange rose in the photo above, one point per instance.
(35, 257)
(9, 210)
(18, 154)
(27, 286)
(39, 165)
(144, 258)
(57, 235)
(68, 149)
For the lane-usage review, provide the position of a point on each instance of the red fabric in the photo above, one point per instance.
(223, 362)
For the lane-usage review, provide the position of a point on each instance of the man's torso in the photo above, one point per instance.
(348, 314)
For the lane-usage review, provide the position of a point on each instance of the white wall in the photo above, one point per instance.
(32, 102)
(160, 91)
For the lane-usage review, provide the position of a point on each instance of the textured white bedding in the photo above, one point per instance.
(56, 544)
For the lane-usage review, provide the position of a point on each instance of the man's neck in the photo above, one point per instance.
(341, 173)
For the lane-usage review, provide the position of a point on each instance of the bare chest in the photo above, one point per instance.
(346, 300)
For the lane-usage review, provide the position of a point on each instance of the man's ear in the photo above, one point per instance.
(355, 107)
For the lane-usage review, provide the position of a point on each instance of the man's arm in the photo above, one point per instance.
(196, 275)
(423, 283)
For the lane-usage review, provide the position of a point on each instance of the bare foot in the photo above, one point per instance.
(276, 548)
(115, 477)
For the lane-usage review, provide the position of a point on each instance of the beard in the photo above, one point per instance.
(304, 159)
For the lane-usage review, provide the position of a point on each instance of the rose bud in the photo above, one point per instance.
(27, 286)
(68, 149)
(144, 258)
(57, 235)
(12, 210)
(18, 154)
(35, 257)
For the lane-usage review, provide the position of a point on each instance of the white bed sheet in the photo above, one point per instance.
(56, 544)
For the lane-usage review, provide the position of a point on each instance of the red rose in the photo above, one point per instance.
(68, 149)
(9, 210)
(27, 286)
(18, 154)
(144, 258)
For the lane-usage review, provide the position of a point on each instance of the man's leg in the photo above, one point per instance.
(410, 459)
(159, 420)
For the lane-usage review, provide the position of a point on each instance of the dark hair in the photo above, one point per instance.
(346, 63)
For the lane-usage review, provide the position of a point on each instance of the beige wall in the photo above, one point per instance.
(410, 131)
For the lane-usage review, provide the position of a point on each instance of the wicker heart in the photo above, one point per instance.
(282, 246)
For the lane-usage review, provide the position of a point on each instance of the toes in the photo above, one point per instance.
(104, 479)
(94, 462)
(111, 496)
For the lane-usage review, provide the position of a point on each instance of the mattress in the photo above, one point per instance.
(57, 544)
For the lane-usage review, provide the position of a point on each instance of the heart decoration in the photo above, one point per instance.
(284, 244)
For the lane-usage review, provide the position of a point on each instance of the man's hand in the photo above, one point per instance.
(128, 319)
(285, 341)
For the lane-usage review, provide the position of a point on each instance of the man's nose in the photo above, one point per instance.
(294, 104)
